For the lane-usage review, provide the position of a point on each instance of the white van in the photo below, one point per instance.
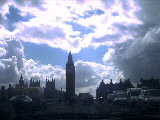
(120, 97)
(133, 95)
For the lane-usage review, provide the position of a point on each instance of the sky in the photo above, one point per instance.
(109, 39)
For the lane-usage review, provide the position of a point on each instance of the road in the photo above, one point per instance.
(101, 111)
(107, 111)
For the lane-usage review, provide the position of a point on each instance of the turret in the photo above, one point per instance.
(111, 81)
(120, 81)
(21, 81)
(102, 84)
(54, 84)
(21, 78)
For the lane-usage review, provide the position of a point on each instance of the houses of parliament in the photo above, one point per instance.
(34, 89)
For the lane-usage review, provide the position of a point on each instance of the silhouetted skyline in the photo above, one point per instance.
(108, 39)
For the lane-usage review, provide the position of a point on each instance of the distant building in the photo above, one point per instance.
(2, 88)
(34, 83)
(70, 78)
(18, 89)
(104, 89)
(50, 92)
(35, 91)
(21, 84)
(12, 91)
(50, 84)
(3, 93)
(149, 83)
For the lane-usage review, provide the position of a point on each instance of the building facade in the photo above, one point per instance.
(34, 90)
(50, 92)
(70, 78)
(21, 84)
(104, 89)
(34, 83)
(50, 84)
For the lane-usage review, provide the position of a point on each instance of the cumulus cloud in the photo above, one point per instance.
(88, 74)
(140, 58)
(108, 55)
(85, 75)
(39, 71)
(11, 60)
(31, 3)
(149, 12)
(13, 48)
(2, 52)
(108, 26)
(53, 34)
(91, 73)
(137, 55)
(49, 25)
(9, 70)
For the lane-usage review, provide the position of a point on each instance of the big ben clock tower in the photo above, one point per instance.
(70, 78)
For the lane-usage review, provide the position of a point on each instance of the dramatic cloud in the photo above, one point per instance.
(39, 71)
(91, 73)
(88, 74)
(11, 60)
(14, 48)
(8, 70)
(139, 57)
(69, 22)
(31, 3)
(2, 52)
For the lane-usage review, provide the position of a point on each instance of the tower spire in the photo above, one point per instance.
(70, 57)
(70, 78)
(21, 77)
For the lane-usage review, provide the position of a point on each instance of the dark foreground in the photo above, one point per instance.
(101, 111)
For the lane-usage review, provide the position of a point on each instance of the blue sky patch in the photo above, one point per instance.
(55, 56)
(115, 14)
(14, 17)
(45, 54)
(82, 29)
(91, 54)
(90, 13)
